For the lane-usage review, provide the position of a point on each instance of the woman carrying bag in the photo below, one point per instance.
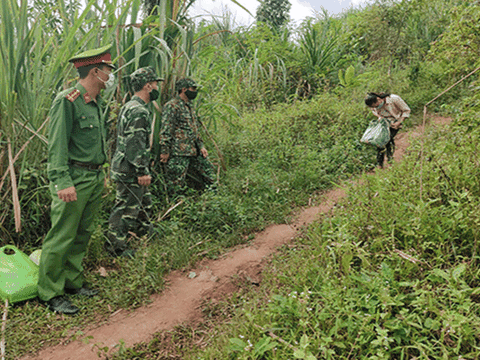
(394, 110)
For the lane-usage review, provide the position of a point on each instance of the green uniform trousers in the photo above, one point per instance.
(200, 170)
(66, 243)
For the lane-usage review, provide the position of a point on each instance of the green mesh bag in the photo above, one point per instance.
(377, 133)
(18, 275)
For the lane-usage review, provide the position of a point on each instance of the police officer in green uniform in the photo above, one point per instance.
(131, 164)
(76, 153)
(181, 147)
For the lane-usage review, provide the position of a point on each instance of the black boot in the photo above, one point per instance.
(62, 305)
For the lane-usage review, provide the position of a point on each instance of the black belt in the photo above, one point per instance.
(86, 165)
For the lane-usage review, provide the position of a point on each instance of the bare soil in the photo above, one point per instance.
(181, 302)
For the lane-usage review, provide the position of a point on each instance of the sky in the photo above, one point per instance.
(300, 8)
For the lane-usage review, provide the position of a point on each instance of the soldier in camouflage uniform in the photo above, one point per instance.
(181, 147)
(130, 164)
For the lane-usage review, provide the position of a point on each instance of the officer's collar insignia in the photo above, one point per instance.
(71, 96)
(87, 98)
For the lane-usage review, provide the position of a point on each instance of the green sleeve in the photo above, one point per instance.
(137, 146)
(166, 129)
(199, 140)
(60, 128)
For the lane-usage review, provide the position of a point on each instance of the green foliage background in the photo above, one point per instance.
(283, 111)
(392, 273)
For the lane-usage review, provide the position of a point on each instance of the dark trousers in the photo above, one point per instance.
(389, 149)
(129, 213)
(198, 168)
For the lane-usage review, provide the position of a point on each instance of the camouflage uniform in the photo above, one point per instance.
(130, 161)
(180, 139)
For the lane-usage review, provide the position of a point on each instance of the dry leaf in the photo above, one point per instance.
(103, 272)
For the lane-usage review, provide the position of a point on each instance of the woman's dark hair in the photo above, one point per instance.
(372, 98)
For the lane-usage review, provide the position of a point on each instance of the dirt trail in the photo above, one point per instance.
(181, 301)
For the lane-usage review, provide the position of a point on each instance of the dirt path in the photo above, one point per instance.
(181, 301)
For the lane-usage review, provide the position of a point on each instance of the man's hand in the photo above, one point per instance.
(69, 194)
(144, 180)
(204, 152)
(164, 157)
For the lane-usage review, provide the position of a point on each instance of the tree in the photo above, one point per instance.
(275, 13)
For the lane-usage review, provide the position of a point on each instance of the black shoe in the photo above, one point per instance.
(62, 305)
(83, 291)
(127, 253)
(114, 246)
(150, 230)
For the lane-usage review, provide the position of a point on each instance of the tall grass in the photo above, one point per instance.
(34, 53)
(33, 59)
(318, 42)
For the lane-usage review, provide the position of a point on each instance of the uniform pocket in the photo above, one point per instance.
(88, 135)
(88, 122)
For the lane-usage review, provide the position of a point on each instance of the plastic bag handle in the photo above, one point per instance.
(9, 247)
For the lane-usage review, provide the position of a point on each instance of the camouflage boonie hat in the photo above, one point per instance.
(185, 83)
(144, 75)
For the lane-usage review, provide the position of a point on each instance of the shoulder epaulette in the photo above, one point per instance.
(71, 96)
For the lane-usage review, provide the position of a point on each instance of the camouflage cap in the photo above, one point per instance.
(185, 83)
(142, 76)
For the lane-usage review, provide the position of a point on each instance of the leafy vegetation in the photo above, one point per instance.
(392, 274)
(274, 12)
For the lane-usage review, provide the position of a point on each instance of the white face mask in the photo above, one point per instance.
(110, 83)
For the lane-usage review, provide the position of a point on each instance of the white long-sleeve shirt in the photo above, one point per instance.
(393, 109)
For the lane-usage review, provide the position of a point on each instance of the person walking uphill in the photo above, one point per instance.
(131, 163)
(76, 154)
(392, 108)
(181, 147)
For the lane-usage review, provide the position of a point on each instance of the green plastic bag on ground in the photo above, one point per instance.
(377, 133)
(18, 275)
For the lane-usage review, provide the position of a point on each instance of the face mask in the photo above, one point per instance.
(380, 106)
(110, 83)
(154, 94)
(191, 94)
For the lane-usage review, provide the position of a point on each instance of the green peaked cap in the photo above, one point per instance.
(93, 56)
